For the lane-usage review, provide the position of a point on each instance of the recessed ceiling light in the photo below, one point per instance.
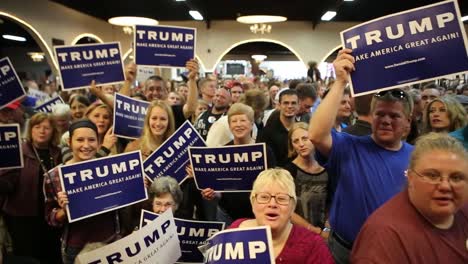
(196, 15)
(260, 19)
(128, 21)
(465, 18)
(328, 15)
(349, 0)
(15, 38)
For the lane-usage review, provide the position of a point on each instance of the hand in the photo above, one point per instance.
(189, 170)
(130, 72)
(344, 65)
(147, 182)
(208, 194)
(192, 67)
(109, 139)
(62, 199)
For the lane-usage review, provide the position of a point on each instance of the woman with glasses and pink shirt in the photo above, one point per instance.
(428, 221)
(273, 200)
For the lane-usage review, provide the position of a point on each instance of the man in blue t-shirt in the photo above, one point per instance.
(369, 170)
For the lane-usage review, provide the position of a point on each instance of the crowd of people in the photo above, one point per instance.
(379, 178)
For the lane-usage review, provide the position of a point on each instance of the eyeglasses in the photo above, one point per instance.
(264, 198)
(160, 204)
(434, 177)
(396, 93)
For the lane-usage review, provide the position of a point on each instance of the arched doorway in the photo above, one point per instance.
(278, 61)
(86, 38)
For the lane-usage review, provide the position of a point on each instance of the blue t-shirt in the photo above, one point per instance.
(368, 176)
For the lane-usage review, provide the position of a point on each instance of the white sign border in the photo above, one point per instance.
(107, 210)
(97, 84)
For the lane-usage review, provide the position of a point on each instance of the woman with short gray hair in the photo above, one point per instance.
(164, 193)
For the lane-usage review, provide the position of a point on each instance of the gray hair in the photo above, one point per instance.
(61, 110)
(166, 184)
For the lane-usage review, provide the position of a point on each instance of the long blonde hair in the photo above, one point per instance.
(148, 142)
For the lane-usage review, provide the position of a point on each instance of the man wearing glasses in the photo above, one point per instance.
(368, 170)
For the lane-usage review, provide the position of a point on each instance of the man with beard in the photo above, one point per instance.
(221, 102)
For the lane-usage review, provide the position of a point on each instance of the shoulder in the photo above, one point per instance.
(306, 247)
(134, 145)
(238, 223)
(292, 168)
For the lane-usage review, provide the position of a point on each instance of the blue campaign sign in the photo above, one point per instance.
(228, 168)
(101, 185)
(171, 158)
(81, 64)
(129, 116)
(10, 147)
(192, 234)
(241, 245)
(49, 105)
(412, 46)
(166, 46)
(10, 84)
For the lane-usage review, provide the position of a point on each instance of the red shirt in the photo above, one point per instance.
(398, 233)
(302, 246)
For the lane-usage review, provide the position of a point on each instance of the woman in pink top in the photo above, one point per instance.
(273, 201)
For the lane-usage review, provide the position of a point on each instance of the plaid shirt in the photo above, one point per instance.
(51, 187)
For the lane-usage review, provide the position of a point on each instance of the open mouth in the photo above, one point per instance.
(272, 216)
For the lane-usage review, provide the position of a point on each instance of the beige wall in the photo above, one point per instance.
(52, 20)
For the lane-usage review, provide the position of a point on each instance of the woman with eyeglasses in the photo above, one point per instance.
(165, 193)
(273, 200)
(428, 221)
(444, 114)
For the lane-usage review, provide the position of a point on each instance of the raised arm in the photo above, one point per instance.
(324, 117)
(97, 91)
(192, 96)
(130, 76)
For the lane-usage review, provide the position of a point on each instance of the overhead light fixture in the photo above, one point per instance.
(258, 19)
(180, 0)
(465, 18)
(130, 21)
(259, 57)
(15, 38)
(260, 28)
(349, 0)
(36, 56)
(328, 15)
(196, 15)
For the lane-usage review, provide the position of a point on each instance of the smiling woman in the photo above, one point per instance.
(432, 209)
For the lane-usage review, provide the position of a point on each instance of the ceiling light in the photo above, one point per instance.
(465, 18)
(36, 56)
(15, 38)
(349, 0)
(180, 0)
(196, 15)
(260, 19)
(259, 57)
(328, 15)
(129, 21)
